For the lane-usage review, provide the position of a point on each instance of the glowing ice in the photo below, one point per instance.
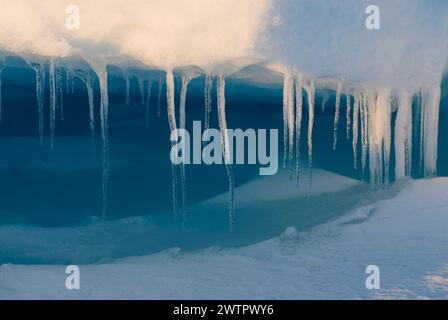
(101, 71)
(348, 114)
(2, 66)
(299, 110)
(403, 137)
(226, 146)
(336, 114)
(173, 126)
(310, 91)
(52, 102)
(39, 69)
(86, 77)
(148, 101)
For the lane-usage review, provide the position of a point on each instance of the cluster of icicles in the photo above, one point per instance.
(368, 112)
(369, 119)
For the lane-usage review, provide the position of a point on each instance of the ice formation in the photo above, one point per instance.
(288, 118)
(348, 113)
(2, 66)
(171, 112)
(127, 81)
(87, 79)
(310, 92)
(378, 73)
(336, 114)
(226, 146)
(148, 101)
(52, 102)
(159, 97)
(356, 110)
(208, 100)
(298, 122)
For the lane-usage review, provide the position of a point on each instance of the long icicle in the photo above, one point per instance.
(141, 87)
(299, 111)
(403, 137)
(207, 101)
(336, 115)
(87, 79)
(104, 115)
(356, 108)
(89, 87)
(348, 114)
(431, 125)
(182, 123)
(159, 97)
(148, 101)
(173, 127)
(422, 108)
(60, 92)
(286, 80)
(291, 123)
(2, 66)
(364, 131)
(101, 71)
(127, 81)
(310, 90)
(52, 103)
(379, 105)
(40, 96)
(226, 147)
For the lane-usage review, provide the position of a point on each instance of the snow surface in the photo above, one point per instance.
(405, 236)
(320, 37)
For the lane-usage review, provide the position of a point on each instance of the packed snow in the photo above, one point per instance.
(405, 236)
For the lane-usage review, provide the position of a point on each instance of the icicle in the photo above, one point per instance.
(430, 116)
(403, 137)
(141, 87)
(286, 103)
(182, 121)
(349, 116)
(60, 92)
(1, 71)
(299, 110)
(422, 111)
(104, 116)
(173, 126)
(159, 97)
(87, 79)
(69, 81)
(207, 100)
(291, 123)
(89, 87)
(325, 99)
(72, 84)
(379, 106)
(336, 115)
(148, 101)
(356, 107)
(310, 90)
(226, 147)
(40, 96)
(127, 80)
(52, 102)
(288, 120)
(364, 130)
(101, 72)
(183, 99)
